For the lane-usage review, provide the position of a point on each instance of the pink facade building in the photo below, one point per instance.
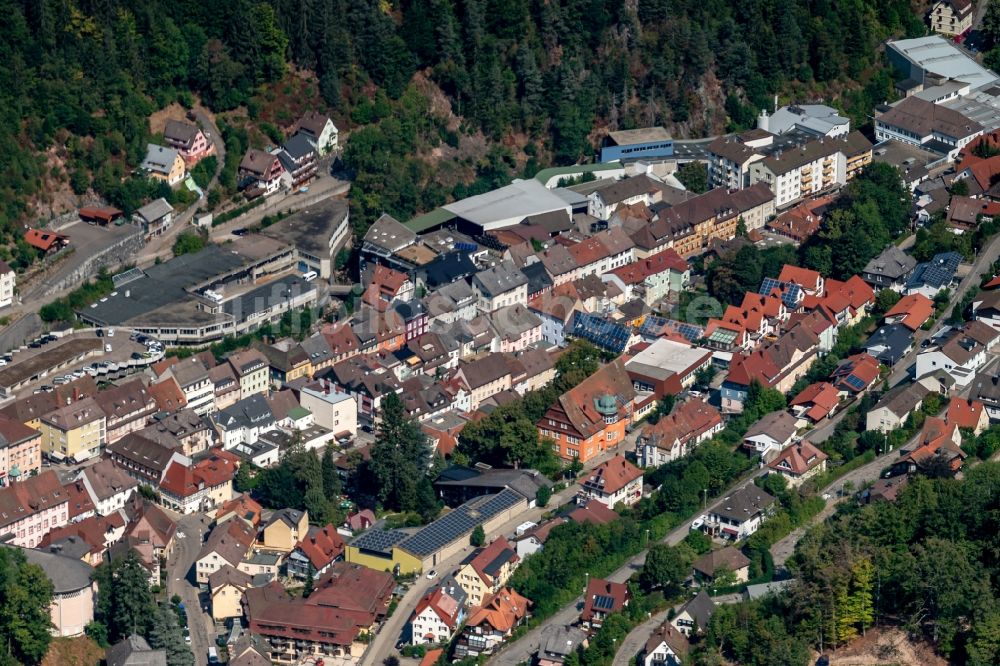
(20, 450)
(188, 140)
(32, 507)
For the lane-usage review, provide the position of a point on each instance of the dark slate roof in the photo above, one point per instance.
(460, 522)
(66, 573)
(938, 272)
(134, 651)
(446, 268)
(700, 608)
(298, 146)
(245, 413)
(538, 277)
(896, 338)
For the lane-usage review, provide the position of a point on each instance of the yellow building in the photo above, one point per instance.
(227, 586)
(288, 361)
(487, 570)
(252, 370)
(164, 164)
(285, 529)
(389, 550)
(378, 552)
(76, 431)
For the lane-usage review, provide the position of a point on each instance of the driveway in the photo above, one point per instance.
(180, 580)
(161, 246)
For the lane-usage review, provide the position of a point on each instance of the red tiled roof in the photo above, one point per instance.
(638, 271)
(588, 251)
(594, 513)
(443, 605)
(243, 506)
(502, 611)
(579, 403)
(489, 554)
(964, 413)
(30, 496)
(79, 499)
(911, 311)
(165, 364)
(616, 593)
(182, 481)
(798, 458)
(937, 438)
(271, 612)
(42, 239)
(823, 398)
(804, 277)
(688, 421)
(353, 589)
(611, 476)
(168, 395)
(340, 337)
(860, 366)
(322, 546)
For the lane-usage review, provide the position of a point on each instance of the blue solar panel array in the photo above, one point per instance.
(379, 541)
(459, 522)
(602, 602)
(653, 327)
(937, 273)
(604, 333)
(791, 293)
(855, 383)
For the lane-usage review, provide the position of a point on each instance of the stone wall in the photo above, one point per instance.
(111, 257)
(19, 331)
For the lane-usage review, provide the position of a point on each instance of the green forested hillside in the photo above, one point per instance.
(82, 76)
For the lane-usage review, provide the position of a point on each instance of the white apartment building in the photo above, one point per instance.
(804, 171)
(730, 158)
(918, 122)
(8, 281)
(951, 17)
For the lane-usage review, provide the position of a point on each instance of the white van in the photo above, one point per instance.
(310, 276)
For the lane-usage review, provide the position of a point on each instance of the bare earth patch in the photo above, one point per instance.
(79, 651)
(158, 121)
(886, 647)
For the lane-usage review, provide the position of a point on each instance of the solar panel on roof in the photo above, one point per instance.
(603, 602)
(127, 276)
(855, 382)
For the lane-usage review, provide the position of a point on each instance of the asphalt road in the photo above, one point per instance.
(385, 640)
(523, 649)
(180, 580)
(322, 187)
(85, 242)
(858, 478)
(161, 246)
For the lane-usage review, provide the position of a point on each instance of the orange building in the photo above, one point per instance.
(591, 418)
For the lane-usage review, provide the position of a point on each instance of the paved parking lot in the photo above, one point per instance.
(33, 368)
(86, 241)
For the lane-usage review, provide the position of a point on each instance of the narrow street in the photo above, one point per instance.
(385, 640)
(160, 246)
(181, 580)
(524, 648)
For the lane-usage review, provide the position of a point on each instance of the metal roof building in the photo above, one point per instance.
(424, 549)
